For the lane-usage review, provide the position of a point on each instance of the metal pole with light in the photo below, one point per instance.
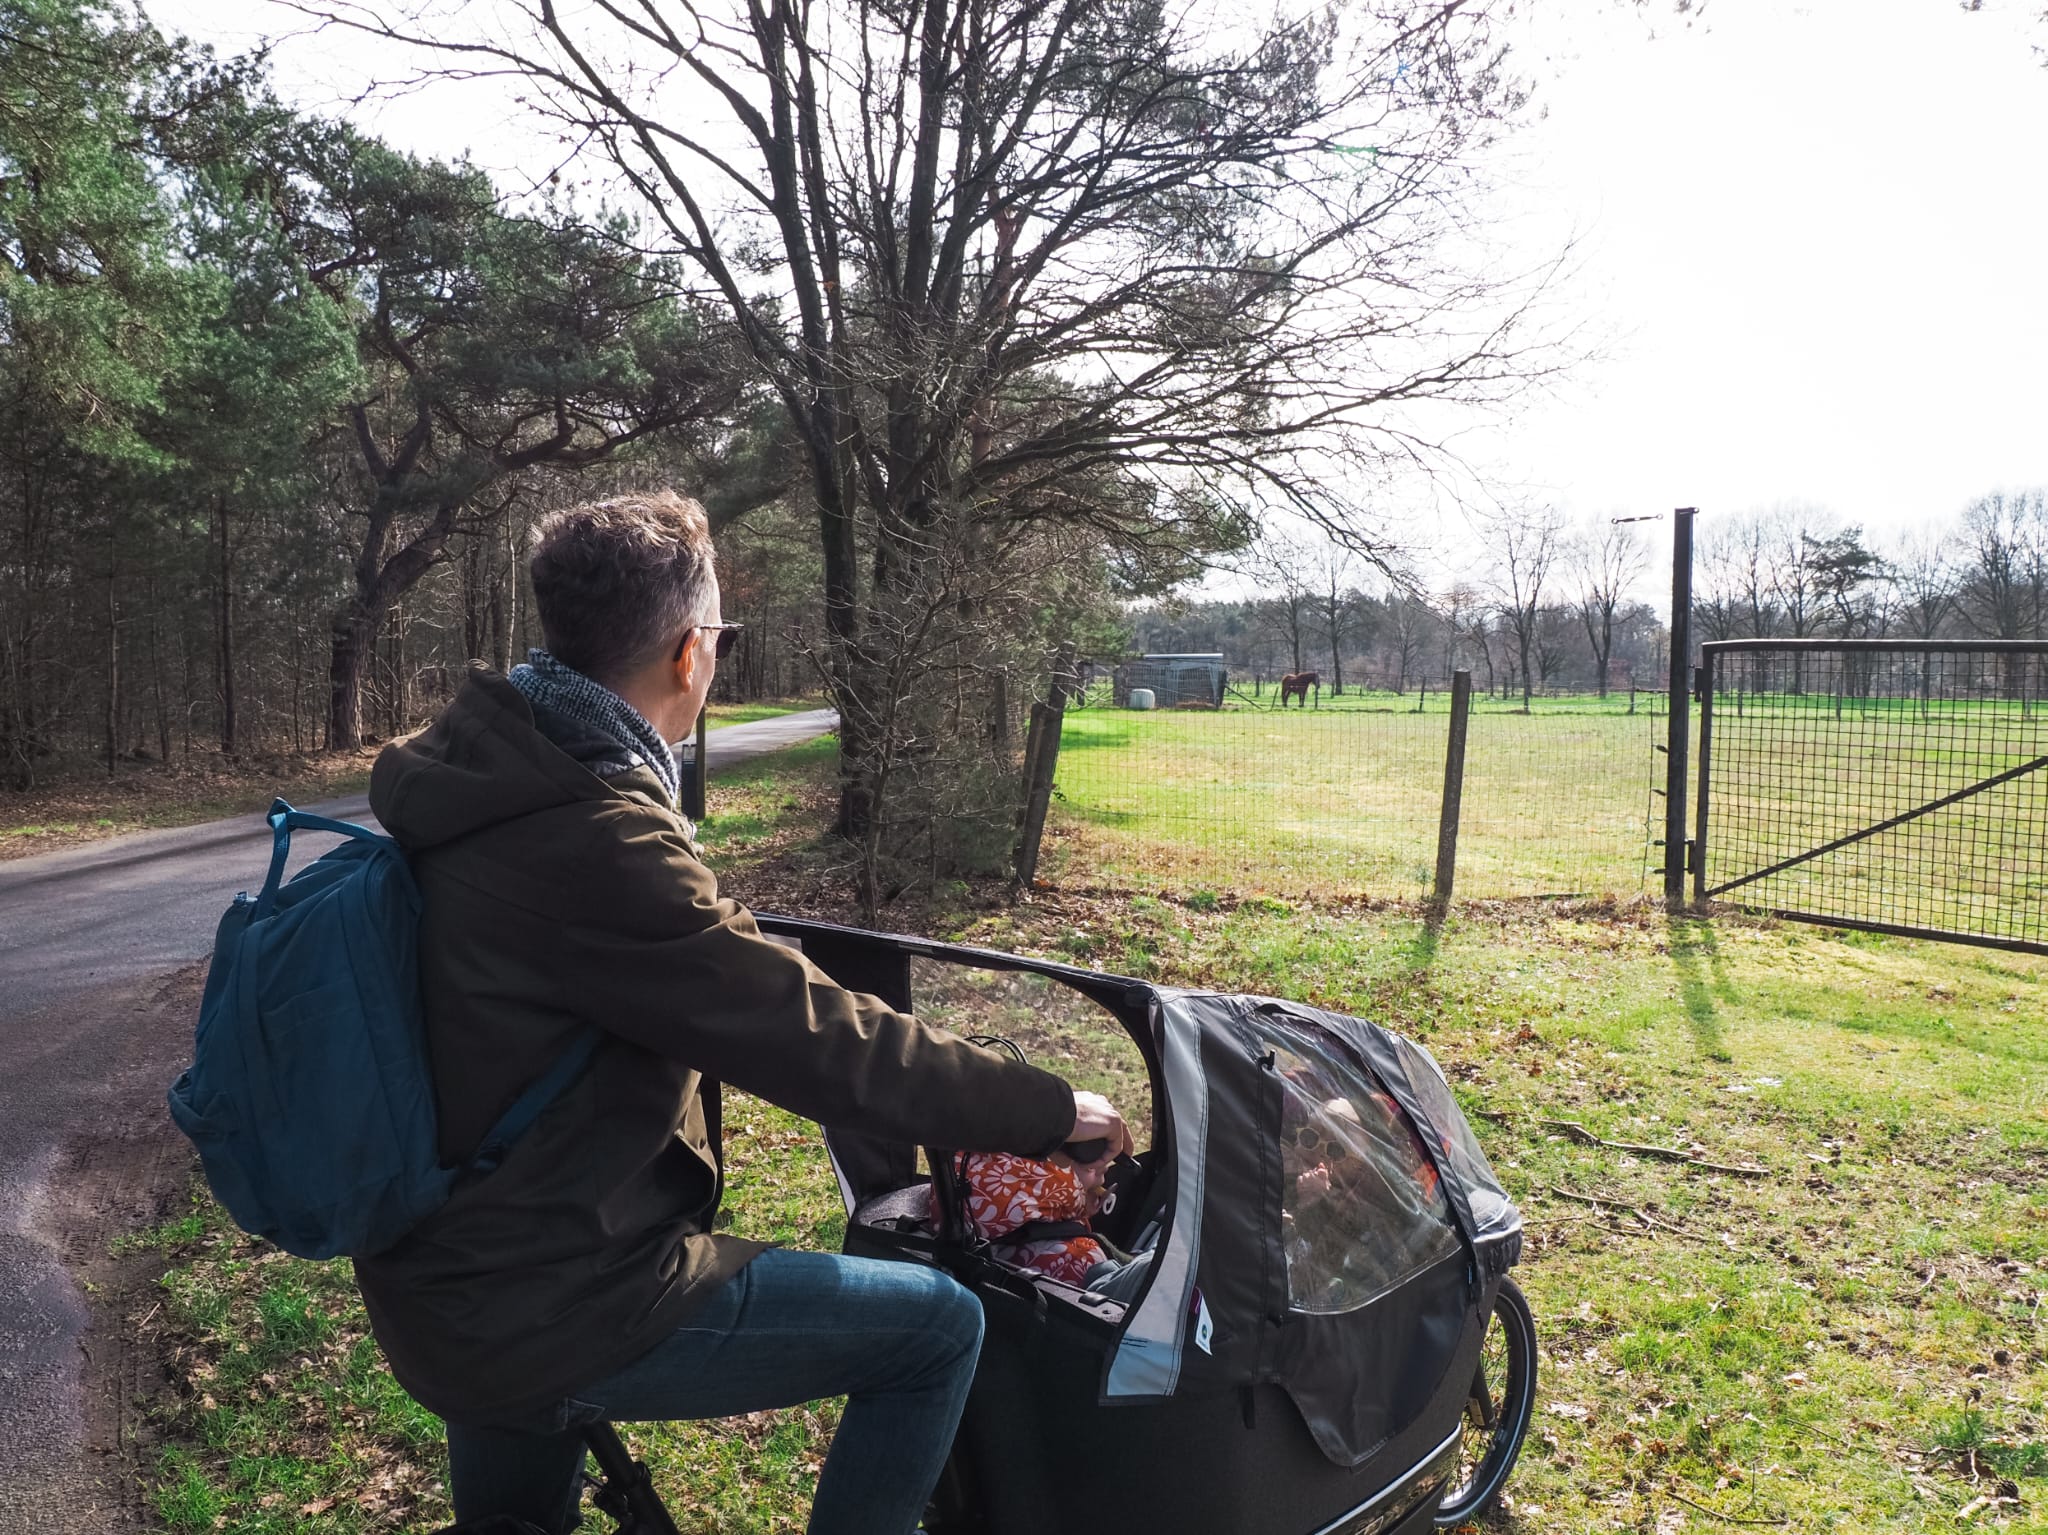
(1679, 742)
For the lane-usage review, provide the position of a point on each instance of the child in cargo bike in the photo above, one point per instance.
(1335, 1164)
(1037, 1214)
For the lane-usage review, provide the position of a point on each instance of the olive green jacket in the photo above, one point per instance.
(555, 899)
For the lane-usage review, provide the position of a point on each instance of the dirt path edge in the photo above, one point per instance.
(126, 1173)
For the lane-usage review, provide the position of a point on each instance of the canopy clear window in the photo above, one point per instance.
(1052, 1024)
(1362, 1207)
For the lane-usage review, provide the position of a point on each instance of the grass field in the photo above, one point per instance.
(718, 715)
(1851, 1343)
(1793, 774)
(1345, 799)
(89, 806)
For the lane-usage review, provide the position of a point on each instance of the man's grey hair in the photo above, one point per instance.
(617, 582)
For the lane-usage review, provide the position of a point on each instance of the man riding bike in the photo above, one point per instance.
(582, 1279)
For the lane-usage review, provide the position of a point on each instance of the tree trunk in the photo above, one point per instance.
(513, 641)
(401, 676)
(156, 668)
(476, 597)
(354, 635)
(1336, 649)
(497, 619)
(844, 661)
(380, 583)
(225, 606)
(113, 722)
(185, 692)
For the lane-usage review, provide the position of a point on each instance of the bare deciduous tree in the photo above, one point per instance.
(1734, 594)
(1335, 599)
(1798, 582)
(1525, 544)
(1406, 634)
(1925, 586)
(1605, 563)
(2005, 583)
(1031, 261)
(1290, 569)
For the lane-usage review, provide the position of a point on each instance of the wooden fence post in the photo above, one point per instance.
(1041, 759)
(1454, 792)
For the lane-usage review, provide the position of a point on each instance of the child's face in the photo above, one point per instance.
(1088, 1175)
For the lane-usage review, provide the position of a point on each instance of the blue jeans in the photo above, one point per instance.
(899, 1340)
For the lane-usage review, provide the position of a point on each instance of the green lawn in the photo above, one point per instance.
(1798, 773)
(1345, 800)
(1852, 1343)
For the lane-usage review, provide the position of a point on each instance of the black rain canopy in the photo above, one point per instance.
(1333, 1216)
(1327, 1222)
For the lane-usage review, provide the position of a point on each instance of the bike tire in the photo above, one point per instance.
(1497, 1413)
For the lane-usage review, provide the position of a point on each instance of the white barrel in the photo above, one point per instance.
(1141, 698)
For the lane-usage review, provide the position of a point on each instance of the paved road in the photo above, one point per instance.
(88, 1034)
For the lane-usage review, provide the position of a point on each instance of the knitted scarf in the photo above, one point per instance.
(548, 683)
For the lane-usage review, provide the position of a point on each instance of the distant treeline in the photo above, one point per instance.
(1397, 641)
(1550, 609)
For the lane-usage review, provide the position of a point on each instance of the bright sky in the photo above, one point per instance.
(1817, 235)
(1813, 243)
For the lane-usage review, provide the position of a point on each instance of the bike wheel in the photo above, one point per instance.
(1498, 1411)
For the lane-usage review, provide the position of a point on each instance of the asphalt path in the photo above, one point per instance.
(88, 938)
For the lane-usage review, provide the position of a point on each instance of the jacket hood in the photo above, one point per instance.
(482, 762)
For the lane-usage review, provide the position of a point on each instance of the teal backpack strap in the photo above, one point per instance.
(529, 1105)
(283, 822)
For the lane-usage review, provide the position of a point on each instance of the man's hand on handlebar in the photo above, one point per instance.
(1096, 1119)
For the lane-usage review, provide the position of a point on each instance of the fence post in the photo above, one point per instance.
(1041, 763)
(696, 811)
(1041, 757)
(1454, 792)
(1679, 739)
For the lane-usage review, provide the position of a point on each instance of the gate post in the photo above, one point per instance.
(1708, 677)
(1679, 739)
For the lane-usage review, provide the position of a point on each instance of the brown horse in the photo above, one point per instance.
(1297, 684)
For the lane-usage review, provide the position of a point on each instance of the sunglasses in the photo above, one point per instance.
(1309, 1139)
(728, 636)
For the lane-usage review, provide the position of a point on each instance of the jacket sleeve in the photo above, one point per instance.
(681, 971)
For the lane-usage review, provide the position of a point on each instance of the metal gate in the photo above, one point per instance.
(1896, 786)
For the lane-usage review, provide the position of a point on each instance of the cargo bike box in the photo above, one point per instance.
(1324, 1340)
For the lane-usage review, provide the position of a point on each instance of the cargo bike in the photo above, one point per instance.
(1323, 1340)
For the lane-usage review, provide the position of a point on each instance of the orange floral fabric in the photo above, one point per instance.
(1005, 1193)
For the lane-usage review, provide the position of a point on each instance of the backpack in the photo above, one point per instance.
(310, 1097)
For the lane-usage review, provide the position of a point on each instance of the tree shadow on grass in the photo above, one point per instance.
(1418, 954)
(1696, 956)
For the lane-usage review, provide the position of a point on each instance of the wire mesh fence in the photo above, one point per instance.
(1344, 795)
(1902, 786)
